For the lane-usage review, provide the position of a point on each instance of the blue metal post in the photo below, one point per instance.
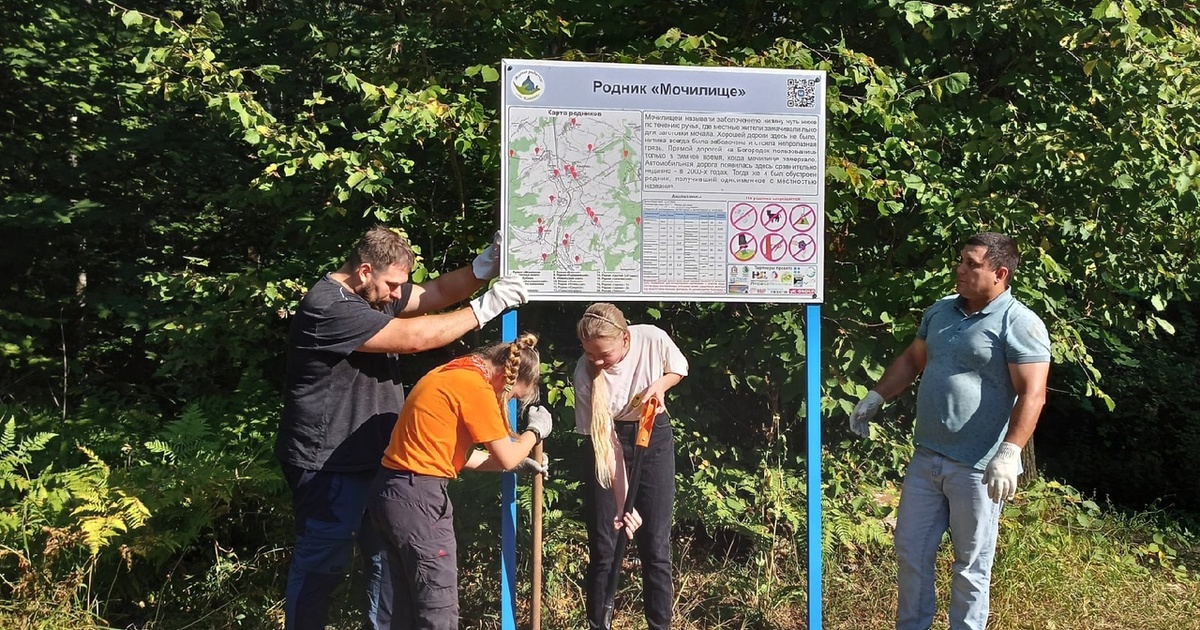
(508, 511)
(812, 349)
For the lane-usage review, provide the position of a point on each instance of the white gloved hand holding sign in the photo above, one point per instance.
(507, 292)
(487, 264)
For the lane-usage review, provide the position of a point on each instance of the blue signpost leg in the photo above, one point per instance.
(812, 349)
(508, 512)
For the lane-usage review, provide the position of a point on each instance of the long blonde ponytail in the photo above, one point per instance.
(602, 429)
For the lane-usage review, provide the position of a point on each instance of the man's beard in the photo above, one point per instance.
(367, 292)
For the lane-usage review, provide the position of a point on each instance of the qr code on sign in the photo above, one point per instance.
(802, 92)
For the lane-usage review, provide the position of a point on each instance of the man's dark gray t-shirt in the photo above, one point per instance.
(339, 405)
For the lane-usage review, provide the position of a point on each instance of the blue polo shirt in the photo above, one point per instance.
(966, 394)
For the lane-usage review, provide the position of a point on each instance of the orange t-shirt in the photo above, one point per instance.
(450, 410)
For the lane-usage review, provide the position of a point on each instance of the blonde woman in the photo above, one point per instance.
(451, 409)
(622, 366)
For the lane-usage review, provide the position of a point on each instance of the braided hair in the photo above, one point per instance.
(521, 363)
(602, 321)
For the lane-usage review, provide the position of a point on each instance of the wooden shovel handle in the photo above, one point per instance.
(536, 606)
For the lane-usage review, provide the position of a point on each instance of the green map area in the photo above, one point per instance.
(575, 191)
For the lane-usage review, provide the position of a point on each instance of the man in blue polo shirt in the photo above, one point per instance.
(983, 358)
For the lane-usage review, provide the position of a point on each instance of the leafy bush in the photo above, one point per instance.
(54, 522)
(175, 174)
(1141, 452)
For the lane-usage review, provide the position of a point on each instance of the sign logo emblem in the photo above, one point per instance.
(528, 85)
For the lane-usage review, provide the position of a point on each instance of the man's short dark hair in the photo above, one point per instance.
(1001, 249)
(381, 247)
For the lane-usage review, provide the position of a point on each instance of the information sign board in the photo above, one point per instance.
(625, 182)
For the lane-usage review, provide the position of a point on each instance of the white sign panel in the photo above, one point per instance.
(666, 183)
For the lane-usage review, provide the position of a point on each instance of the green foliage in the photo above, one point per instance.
(1067, 522)
(726, 491)
(862, 491)
(1055, 546)
(16, 457)
(175, 175)
(1141, 452)
(219, 474)
(76, 520)
(56, 520)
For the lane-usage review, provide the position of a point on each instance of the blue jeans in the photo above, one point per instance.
(939, 494)
(330, 518)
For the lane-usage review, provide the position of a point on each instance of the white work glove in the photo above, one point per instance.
(860, 418)
(1000, 477)
(507, 292)
(538, 420)
(531, 465)
(487, 264)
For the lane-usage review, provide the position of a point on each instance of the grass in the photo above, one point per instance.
(1063, 563)
(1029, 593)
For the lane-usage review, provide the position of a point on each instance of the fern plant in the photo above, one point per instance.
(16, 456)
(54, 524)
(16, 483)
(101, 511)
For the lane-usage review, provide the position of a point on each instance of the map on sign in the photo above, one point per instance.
(575, 195)
(640, 182)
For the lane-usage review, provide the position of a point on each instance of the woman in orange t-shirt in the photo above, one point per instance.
(448, 412)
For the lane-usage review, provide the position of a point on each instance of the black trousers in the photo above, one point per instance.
(655, 500)
(415, 518)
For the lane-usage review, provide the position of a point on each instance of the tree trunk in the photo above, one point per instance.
(1028, 463)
